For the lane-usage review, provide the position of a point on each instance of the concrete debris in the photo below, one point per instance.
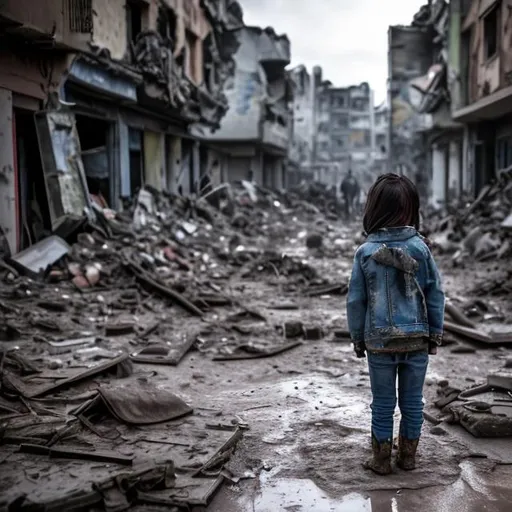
(478, 230)
(82, 323)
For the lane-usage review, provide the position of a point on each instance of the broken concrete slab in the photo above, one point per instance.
(500, 379)
(38, 258)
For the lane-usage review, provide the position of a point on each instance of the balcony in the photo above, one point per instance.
(275, 49)
(275, 135)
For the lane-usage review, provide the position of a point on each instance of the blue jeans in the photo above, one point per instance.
(411, 368)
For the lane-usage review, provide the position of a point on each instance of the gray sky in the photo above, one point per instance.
(348, 38)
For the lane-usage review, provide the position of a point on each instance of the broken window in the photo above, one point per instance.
(209, 62)
(503, 153)
(94, 142)
(491, 33)
(167, 23)
(339, 144)
(80, 16)
(137, 13)
(323, 127)
(360, 104)
(341, 121)
(465, 59)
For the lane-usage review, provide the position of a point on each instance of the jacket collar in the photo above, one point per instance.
(392, 234)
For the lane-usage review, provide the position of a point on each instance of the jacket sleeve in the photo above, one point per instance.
(435, 299)
(357, 301)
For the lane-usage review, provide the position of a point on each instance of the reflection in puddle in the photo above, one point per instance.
(293, 495)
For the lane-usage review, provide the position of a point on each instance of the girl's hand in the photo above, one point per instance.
(432, 349)
(360, 350)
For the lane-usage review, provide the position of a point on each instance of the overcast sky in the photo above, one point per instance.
(348, 38)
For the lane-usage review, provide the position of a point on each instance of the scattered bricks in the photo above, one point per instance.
(314, 241)
(293, 329)
(74, 269)
(313, 333)
(172, 256)
(81, 282)
(92, 274)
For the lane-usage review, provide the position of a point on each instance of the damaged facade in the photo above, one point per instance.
(451, 98)
(111, 94)
(302, 133)
(344, 130)
(380, 158)
(481, 86)
(254, 134)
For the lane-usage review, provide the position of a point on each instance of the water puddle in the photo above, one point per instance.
(293, 495)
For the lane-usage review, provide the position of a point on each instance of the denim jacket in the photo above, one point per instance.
(395, 290)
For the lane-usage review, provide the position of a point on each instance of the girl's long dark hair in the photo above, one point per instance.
(393, 201)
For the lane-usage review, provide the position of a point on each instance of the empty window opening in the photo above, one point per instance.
(136, 141)
(94, 137)
(208, 62)
(491, 33)
(166, 24)
(137, 13)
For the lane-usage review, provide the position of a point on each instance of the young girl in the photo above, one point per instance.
(395, 310)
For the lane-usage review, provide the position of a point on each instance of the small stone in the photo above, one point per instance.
(313, 333)
(314, 241)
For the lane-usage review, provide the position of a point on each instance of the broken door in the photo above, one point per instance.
(8, 178)
(153, 159)
(66, 186)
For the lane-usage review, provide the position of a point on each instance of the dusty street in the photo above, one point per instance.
(216, 372)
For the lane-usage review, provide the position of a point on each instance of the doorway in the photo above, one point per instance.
(33, 211)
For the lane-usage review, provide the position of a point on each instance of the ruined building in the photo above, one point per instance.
(254, 134)
(301, 142)
(98, 98)
(380, 157)
(344, 129)
(480, 71)
(451, 96)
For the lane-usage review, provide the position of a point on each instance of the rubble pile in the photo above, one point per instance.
(80, 320)
(479, 231)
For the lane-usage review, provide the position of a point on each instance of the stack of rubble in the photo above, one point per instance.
(139, 287)
(480, 231)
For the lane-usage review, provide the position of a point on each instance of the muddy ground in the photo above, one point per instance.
(307, 409)
(309, 417)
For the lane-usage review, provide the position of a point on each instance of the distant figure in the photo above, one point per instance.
(350, 191)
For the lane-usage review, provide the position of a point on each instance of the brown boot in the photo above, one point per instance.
(406, 457)
(380, 462)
